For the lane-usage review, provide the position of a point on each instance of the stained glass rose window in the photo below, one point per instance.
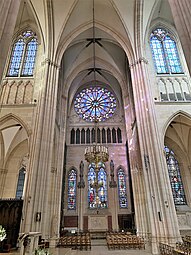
(95, 104)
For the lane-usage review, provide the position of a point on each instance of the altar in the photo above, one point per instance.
(98, 223)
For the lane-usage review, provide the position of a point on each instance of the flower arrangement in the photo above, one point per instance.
(2, 233)
(41, 251)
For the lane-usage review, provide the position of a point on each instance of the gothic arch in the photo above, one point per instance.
(124, 43)
(14, 120)
(172, 117)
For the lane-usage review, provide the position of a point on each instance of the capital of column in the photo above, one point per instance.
(138, 61)
(51, 63)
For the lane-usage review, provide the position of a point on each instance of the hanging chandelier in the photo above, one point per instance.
(96, 152)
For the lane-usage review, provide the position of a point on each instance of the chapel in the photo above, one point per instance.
(95, 118)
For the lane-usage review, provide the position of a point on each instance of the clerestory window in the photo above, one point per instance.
(23, 55)
(164, 52)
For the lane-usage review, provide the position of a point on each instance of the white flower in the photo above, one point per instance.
(41, 251)
(2, 233)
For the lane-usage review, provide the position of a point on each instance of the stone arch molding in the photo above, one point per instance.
(10, 127)
(123, 168)
(125, 43)
(172, 117)
(11, 120)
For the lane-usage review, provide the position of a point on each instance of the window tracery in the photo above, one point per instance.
(164, 52)
(23, 55)
(95, 104)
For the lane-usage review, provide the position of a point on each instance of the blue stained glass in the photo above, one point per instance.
(175, 178)
(16, 58)
(102, 191)
(172, 55)
(72, 179)
(30, 57)
(95, 103)
(122, 189)
(20, 183)
(164, 52)
(158, 55)
(23, 55)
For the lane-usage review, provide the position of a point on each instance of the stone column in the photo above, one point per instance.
(181, 11)
(38, 203)
(8, 15)
(3, 173)
(162, 218)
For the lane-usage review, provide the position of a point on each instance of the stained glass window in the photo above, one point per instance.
(164, 52)
(72, 179)
(122, 189)
(30, 56)
(97, 200)
(175, 178)
(95, 103)
(20, 183)
(23, 55)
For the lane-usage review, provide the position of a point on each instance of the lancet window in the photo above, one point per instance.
(122, 188)
(72, 180)
(175, 178)
(23, 55)
(20, 183)
(97, 200)
(164, 52)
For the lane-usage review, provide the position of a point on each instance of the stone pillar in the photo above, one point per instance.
(162, 218)
(181, 11)
(8, 16)
(39, 205)
(3, 173)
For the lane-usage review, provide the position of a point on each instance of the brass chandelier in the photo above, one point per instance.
(96, 153)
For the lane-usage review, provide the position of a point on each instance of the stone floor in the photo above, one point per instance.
(96, 250)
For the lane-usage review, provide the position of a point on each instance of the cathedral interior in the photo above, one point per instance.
(95, 118)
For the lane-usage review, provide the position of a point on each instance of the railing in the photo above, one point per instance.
(174, 88)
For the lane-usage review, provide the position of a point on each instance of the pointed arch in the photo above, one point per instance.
(172, 117)
(11, 119)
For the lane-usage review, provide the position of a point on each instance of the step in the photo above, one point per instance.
(98, 235)
(98, 242)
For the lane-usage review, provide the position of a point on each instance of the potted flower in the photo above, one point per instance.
(2, 233)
